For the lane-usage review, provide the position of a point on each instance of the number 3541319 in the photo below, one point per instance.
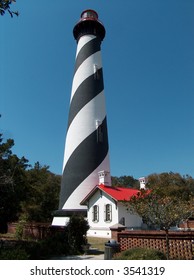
(143, 270)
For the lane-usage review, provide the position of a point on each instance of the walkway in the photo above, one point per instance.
(92, 254)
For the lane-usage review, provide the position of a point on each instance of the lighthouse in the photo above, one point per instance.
(86, 148)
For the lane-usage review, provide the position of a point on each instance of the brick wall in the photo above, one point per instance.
(36, 230)
(181, 243)
(189, 224)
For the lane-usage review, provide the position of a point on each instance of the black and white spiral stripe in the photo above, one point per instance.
(86, 148)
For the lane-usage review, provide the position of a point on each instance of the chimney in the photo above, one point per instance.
(143, 181)
(104, 178)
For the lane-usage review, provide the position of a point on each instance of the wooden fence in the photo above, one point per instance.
(181, 243)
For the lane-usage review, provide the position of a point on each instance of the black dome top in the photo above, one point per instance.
(89, 24)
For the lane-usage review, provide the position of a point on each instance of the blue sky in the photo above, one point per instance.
(148, 65)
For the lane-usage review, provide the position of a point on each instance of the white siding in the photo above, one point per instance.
(101, 228)
(131, 221)
(101, 199)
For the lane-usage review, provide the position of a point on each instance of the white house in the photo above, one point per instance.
(105, 209)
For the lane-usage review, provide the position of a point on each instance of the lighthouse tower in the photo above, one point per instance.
(86, 148)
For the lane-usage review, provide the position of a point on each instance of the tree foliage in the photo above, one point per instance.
(125, 181)
(168, 201)
(43, 194)
(5, 7)
(77, 229)
(160, 210)
(12, 183)
(25, 190)
(171, 183)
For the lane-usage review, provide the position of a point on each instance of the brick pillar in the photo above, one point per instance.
(115, 229)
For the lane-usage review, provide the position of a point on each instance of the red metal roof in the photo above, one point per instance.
(117, 193)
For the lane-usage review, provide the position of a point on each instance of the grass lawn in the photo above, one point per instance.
(97, 242)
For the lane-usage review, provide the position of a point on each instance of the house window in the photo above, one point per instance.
(108, 212)
(95, 213)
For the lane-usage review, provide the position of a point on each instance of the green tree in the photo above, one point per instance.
(164, 205)
(43, 193)
(125, 181)
(12, 183)
(172, 183)
(77, 229)
(5, 7)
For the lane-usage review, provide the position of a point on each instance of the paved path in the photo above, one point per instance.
(80, 257)
(93, 254)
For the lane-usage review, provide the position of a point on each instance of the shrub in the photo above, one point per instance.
(14, 254)
(140, 254)
(19, 233)
(76, 230)
(55, 245)
(32, 248)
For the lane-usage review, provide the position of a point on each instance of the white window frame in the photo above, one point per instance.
(95, 213)
(108, 212)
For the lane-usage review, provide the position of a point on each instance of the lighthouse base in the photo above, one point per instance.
(62, 217)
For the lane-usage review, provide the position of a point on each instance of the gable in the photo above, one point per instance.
(98, 196)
